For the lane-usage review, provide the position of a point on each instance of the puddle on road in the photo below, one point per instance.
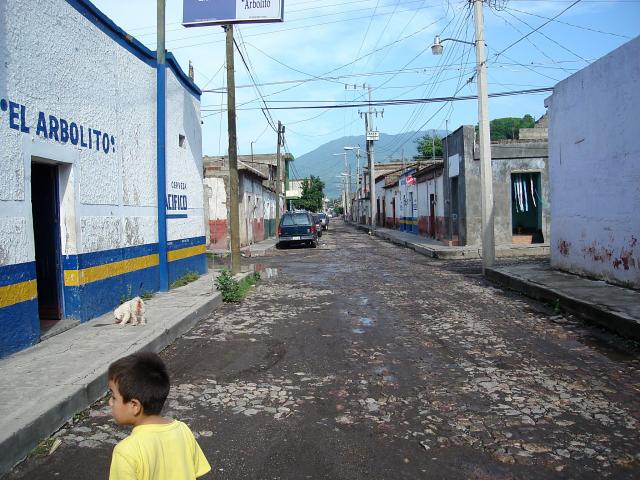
(359, 331)
(264, 271)
(366, 322)
(615, 353)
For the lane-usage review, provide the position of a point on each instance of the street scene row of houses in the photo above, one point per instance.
(80, 200)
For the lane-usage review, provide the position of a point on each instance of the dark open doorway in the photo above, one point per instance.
(46, 233)
(526, 208)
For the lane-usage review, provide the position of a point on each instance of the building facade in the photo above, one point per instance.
(595, 169)
(520, 189)
(256, 202)
(78, 144)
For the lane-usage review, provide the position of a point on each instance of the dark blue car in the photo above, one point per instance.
(297, 228)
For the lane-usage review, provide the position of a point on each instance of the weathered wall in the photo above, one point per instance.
(433, 227)
(506, 162)
(595, 169)
(506, 159)
(458, 152)
(90, 110)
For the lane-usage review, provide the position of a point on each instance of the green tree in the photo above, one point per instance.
(425, 147)
(312, 194)
(508, 128)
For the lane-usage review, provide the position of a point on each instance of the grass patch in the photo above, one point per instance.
(185, 279)
(232, 290)
(44, 447)
(147, 295)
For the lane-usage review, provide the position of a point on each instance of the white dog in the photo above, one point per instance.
(131, 311)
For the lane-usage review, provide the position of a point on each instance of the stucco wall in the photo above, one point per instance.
(595, 169)
(66, 69)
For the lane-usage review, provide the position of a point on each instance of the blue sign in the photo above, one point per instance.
(223, 12)
(59, 129)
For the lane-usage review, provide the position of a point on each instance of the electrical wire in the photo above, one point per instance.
(536, 29)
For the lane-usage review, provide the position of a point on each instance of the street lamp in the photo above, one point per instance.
(344, 192)
(346, 174)
(357, 150)
(486, 177)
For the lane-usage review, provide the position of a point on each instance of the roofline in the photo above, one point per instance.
(127, 41)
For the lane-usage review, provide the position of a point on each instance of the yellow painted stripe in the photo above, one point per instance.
(186, 252)
(75, 278)
(18, 292)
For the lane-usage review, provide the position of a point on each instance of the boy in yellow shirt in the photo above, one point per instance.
(158, 448)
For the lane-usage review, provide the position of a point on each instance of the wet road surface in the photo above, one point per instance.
(361, 360)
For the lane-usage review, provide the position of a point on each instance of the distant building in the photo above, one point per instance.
(257, 201)
(594, 153)
(294, 191)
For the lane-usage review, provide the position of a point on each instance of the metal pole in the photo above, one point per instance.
(234, 217)
(486, 176)
(278, 177)
(161, 125)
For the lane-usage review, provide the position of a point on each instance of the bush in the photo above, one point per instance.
(232, 290)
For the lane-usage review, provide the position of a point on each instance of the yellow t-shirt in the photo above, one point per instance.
(158, 452)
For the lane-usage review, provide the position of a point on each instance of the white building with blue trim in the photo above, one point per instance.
(78, 148)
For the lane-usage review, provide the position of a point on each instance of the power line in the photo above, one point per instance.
(267, 115)
(536, 29)
(412, 101)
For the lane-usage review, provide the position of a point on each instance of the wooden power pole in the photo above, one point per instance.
(234, 216)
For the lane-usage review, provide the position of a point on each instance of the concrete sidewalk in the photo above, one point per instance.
(259, 249)
(42, 387)
(612, 307)
(433, 248)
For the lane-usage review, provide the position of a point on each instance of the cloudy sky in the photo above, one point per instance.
(328, 52)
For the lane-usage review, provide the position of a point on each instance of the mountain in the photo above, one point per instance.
(322, 162)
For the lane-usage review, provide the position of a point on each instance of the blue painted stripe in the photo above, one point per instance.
(20, 327)
(19, 272)
(176, 215)
(93, 299)
(94, 259)
(128, 42)
(196, 263)
(186, 242)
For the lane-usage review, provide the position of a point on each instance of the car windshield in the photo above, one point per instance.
(295, 219)
(322, 215)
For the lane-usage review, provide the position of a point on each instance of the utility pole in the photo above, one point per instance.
(234, 216)
(372, 172)
(486, 176)
(278, 174)
(372, 136)
(161, 148)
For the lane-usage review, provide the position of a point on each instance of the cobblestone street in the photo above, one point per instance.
(360, 360)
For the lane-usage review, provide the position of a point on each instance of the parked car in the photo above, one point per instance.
(296, 228)
(316, 220)
(324, 219)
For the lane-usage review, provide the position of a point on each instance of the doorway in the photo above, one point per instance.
(526, 208)
(45, 206)
(454, 209)
(432, 215)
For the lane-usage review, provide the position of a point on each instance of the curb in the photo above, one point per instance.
(590, 312)
(16, 445)
(459, 253)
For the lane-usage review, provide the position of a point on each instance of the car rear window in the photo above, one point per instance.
(289, 220)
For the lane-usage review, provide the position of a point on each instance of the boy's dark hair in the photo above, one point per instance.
(142, 376)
